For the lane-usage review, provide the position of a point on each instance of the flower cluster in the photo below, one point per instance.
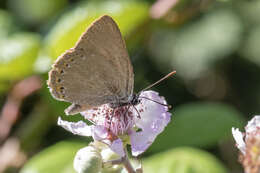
(249, 145)
(135, 125)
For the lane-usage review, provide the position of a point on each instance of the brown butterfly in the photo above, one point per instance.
(96, 71)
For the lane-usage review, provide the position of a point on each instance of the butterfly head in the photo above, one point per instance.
(135, 99)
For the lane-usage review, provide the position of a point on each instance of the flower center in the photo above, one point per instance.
(118, 120)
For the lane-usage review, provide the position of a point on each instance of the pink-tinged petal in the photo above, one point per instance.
(77, 128)
(118, 120)
(253, 124)
(118, 147)
(100, 133)
(140, 141)
(153, 115)
(239, 138)
(97, 115)
(153, 119)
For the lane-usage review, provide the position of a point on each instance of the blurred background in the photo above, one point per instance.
(213, 46)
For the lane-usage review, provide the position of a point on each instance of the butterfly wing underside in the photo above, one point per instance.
(96, 71)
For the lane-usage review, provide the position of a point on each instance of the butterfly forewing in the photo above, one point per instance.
(97, 71)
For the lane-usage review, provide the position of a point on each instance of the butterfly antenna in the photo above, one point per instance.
(150, 86)
(169, 106)
(155, 83)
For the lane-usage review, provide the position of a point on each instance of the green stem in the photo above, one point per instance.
(127, 163)
(123, 160)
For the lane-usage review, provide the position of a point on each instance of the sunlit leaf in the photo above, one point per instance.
(17, 55)
(36, 11)
(57, 158)
(183, 160)
(69, 28)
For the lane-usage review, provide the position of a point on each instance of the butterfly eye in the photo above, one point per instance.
(135, 100)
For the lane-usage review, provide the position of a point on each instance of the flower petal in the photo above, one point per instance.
(99, 133)
(239, 138)
(153, 115)
(97, 115)
(77, 128)
(154, 118)
(140, 141)
(253, 124)
(118, 147)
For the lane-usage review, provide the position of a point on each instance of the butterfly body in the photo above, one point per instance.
(133, 100)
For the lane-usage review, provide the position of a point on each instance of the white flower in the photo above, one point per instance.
(113, 127)
(249, 145)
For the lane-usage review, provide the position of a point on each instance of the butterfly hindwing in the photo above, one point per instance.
(97, 71)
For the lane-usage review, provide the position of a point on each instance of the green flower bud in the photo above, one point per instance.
(88, 160)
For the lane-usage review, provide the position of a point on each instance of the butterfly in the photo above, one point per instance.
(96, 71)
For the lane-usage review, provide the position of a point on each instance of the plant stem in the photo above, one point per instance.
(123, 160)
(127, 163)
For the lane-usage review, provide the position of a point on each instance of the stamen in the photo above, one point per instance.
(111, 118)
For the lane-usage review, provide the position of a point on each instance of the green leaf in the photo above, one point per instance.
(57, 158)
(36, 11)
(198, 124)
(17, 55)
(70, 27)
(183, 160)
(6, 24)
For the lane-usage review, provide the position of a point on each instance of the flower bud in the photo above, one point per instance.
(108, 155)
(88, 160)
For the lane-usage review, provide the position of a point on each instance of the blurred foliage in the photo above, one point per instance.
(33, 12)
(183, 160)
(213, 46)
(211, 121)
(203, 41)
(57, 158)
(19, 63)
(6, 24)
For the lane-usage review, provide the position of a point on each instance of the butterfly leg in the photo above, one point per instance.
(75, 108)
(127, 109)
(138, 116)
